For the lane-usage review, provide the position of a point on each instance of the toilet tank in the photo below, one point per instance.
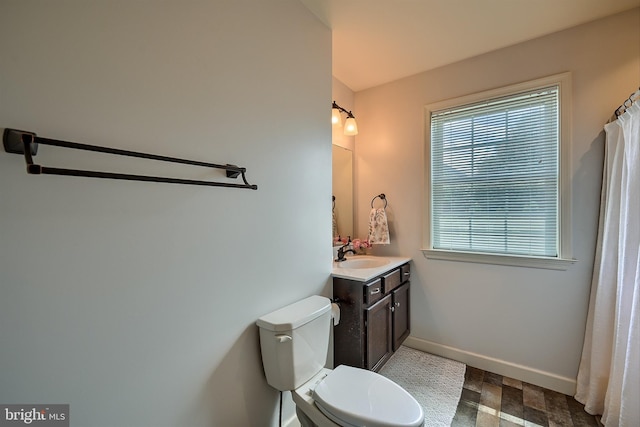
(294, 341)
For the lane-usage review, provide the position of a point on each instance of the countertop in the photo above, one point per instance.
(366, 274)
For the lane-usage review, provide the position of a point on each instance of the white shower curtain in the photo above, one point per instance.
(609, 374)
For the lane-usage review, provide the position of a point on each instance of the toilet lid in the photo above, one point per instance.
(354, 396)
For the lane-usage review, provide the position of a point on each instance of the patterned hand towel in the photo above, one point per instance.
(378, 227)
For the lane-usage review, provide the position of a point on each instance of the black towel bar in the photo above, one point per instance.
(382, 197)
(23, 142)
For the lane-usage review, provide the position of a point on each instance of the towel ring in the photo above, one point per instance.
(382, 197)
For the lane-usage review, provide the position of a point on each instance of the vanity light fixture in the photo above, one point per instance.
(350, 125)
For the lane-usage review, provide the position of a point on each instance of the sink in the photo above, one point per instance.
(358, 262)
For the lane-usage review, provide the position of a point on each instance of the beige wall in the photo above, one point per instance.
(136, 302)
(519, 321)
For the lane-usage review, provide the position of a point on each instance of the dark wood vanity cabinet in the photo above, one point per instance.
(374, 318)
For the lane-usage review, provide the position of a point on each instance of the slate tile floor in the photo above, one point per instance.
(491, 400)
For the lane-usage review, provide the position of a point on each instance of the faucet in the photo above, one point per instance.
(342, 251)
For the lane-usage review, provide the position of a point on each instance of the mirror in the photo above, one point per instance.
(342, 191)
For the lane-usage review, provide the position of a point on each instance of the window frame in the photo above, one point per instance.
(564, 258)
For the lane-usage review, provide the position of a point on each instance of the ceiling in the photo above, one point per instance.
(378, 41)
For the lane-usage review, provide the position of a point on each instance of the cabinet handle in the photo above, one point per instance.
(392, 308)
(375, 291)
(397, 304)
(407, 274)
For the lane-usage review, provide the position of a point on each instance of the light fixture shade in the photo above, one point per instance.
(350, 126)
(335, 117)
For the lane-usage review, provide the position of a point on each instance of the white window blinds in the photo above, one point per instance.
(495, 175)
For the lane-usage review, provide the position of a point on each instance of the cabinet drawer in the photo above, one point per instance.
(405, 271)
(391, 280)
(373, 292)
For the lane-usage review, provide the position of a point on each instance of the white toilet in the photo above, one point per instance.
(294, 341)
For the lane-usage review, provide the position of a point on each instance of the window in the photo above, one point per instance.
(496, 173)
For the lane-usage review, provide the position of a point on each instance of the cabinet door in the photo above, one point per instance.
(379, 335)
(400, 310)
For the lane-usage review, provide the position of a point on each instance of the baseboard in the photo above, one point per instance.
(527, 374)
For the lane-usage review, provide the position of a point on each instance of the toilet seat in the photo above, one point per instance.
(356, 397)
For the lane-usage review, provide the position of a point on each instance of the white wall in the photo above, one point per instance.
(135, 302)
(518, 321)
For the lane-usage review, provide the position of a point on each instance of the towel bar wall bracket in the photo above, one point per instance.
(26, 143)
(12, 140)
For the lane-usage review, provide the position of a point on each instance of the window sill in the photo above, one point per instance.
(511, 260)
